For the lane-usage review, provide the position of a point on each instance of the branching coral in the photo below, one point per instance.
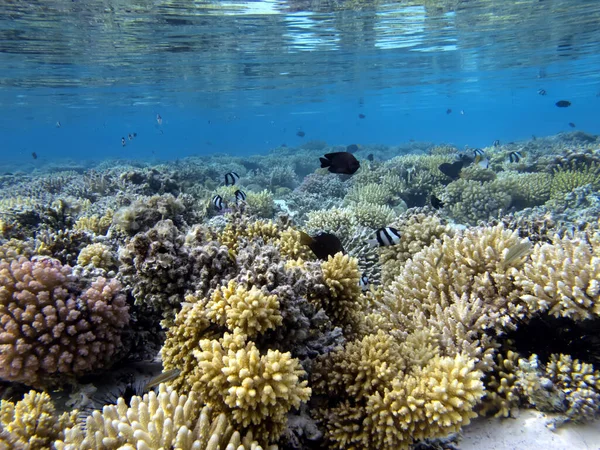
(291, 247)
(526, 189)
(32, 423)
(97, 255)
(260, 204)
(249, 310)
(372, 215)
(472, 201)
(568, 177)
(50, 328)
(563, 278)
(156, 421)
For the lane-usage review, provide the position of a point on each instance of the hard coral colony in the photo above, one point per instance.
(398, 323)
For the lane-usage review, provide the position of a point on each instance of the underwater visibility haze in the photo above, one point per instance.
(301, 224)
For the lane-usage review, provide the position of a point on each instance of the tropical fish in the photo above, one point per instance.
(163, 377)
(352, 148)
(130, 136)
(323, 244)
(240, 195)
(436, 202)
(478, 152)
(123, 142)
(384, 237)
(451, 170)
(541, 91)
(340, 162)
(482, 162)
(514, 157)
(300, 133)
(58, 125)
(462, 112)
(496, 143)
(217, 201)
(448, 111)
(158, 119)
(370, 157)
(361, 116)
(231, 178)
(364, 283)
(34, 155)
(571, 124)
(563, 103)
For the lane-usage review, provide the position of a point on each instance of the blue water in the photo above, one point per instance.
(244, 78)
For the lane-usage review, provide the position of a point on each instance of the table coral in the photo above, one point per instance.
(32, 423)
(157, 421)
(52, 328)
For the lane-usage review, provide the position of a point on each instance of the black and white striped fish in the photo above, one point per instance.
(231, 178)
(478, 152)
(364, 283)
(496, 143)
(384, 237)
(240, 195)
(514, 157)
(217, 200)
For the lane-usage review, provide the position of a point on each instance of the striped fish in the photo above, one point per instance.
(231, 178)
(217, 201)
(514, 157)
(384, 237)
(240, 195)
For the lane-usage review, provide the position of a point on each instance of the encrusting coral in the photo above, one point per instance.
(50, 327)
(32, 423)
(163, 420)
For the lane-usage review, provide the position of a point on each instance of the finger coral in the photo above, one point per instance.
(32, 423)
(249, 310)
(563, 278)
(51, 328)
(97, 255)
(163, 420)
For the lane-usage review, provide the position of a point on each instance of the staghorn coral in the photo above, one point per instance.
(526, 189)
(343, 301)
(417, 231)
(372, 215)
(471, 201)
(97, 255)
(51, 328)
(32, 423)
(157, 421)
(249, 310)
(563, 278)
(570, 176)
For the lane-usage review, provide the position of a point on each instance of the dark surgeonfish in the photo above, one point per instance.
(240, 195)
(361, 116)
(323, 244)
(340, 162)
(572, 125)
(217, 201)
(448, 111)
(563, 103)
(300, 133)
(352, 148)
(34, 155)
(384, 237)
(452, 170)
(231, 178)
(370, 157)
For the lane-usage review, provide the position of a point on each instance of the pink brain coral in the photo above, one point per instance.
(50, 327)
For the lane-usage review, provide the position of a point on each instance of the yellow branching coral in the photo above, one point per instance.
(566, 178)
(235, 230)
(163, 420)
(372, 215)
(563, 278)
(95, 224)
(418, 231)
(260, 204)
(32, 423)
(97, 255)
(526, 189)
(340, 221)
(251, 311)
(256, 390)
(501, 388)
(291, 247)
(342, 276)
(372, 193)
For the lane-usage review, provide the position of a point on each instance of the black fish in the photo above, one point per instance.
(571, 124)
(340, 162)
(134, 134)
(231, 178)
(34, 155)
(448, 111)
(352, 148)
(323, 244)
(130, 136)
(451, 170)
(361, 116)
(370, 157)
(436, 202)
(542, 91)
(563, 103)
(300, 133)
(240, 195)
(217, 200)
(123, 141)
